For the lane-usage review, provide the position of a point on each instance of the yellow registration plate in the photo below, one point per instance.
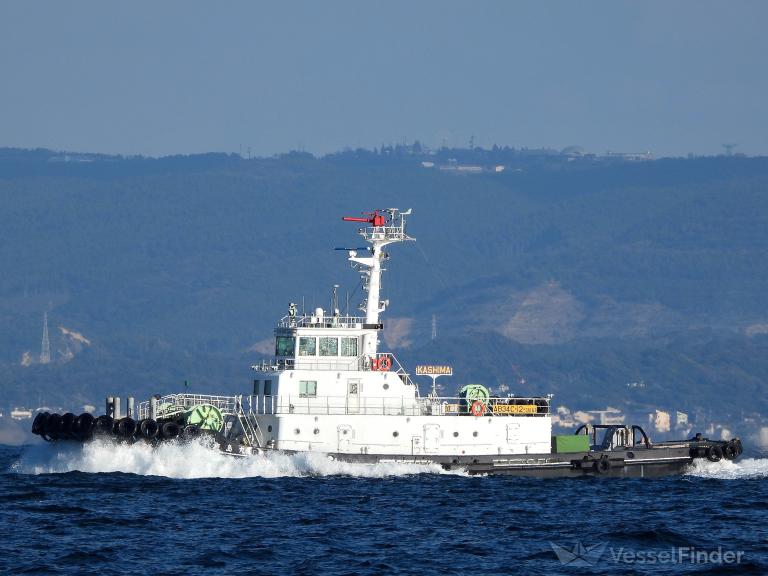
(514, 409)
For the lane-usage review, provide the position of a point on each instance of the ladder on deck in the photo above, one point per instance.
(250, 426)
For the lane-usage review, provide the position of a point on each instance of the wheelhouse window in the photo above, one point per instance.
(349, 346)
(285, 346)
(329, 346)
(307, 388)
(267, 387)
(256, 387)
(307, 346)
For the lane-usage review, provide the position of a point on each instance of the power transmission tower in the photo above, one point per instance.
(434, 327)
(45, 346)
(729, 149)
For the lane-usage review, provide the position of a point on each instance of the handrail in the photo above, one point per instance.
(400, 406)
(309, 320)
(361, 363)
(175, 403)
(350, 404)
(352, 363)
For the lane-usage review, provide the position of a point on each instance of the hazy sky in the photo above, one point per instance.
(161, 78)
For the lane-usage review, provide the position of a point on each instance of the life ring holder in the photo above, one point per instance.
(384, 363)
(478, 408)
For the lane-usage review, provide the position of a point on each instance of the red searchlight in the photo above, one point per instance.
(374, 218)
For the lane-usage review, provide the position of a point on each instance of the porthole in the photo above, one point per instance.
(297, 431)
(474, 433)
(395, 433)
(344, 432)
(269, 428)
(455, 434)
(386, 386)
(408, 419)
(316, 431)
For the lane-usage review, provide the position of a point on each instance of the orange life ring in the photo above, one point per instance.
(478, 408)
(385, 363)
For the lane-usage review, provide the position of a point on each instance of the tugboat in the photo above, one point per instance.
(329, 389)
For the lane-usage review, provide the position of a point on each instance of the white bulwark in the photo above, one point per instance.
(329, 388)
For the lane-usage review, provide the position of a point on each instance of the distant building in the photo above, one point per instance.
(631, 156)
(609, 416)
(660, 420)
(21, 414)
(762, 438)
(583, 417)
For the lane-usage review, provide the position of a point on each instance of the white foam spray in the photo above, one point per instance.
(747, 468)
(198, 459)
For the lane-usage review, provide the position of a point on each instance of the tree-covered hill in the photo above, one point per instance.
(581, 273)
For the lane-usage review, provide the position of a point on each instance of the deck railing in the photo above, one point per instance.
(330, 363)
(174, 403)
(310, 321)
(394, 406)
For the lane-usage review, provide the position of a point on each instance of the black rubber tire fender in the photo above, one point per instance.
(65, 428)
(126, 427)
(149, 428)
(729, 451)
(82, 428)
(38, 425)
(714, 454)
(602, 466)
(104, 425)
(52, 426)
(170, 430)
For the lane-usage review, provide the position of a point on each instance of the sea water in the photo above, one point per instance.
(186, 509)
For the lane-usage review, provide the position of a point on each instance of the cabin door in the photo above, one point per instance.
(513, 433)
(353, 396)
(344, 435)
(431, 438)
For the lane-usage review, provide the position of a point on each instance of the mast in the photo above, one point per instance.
(387, 226)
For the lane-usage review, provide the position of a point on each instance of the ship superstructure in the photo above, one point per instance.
(329, 388)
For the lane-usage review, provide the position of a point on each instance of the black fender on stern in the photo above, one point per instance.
(170, 430)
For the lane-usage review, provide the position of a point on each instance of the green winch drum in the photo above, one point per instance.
(205, 417)
(472, 392)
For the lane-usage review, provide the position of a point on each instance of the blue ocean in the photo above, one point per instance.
(185, 509)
